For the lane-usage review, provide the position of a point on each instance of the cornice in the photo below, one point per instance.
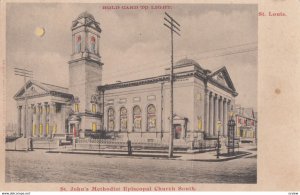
(197, 74)
(51, 93)
(86, 59)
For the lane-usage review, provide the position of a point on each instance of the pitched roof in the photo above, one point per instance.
(226, 74)
(45, 86)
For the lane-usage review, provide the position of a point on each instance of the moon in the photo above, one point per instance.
(39, 32)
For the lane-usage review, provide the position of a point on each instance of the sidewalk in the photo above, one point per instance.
(204, 156)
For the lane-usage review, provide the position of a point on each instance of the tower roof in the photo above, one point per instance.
(85, 14)
(86, 19)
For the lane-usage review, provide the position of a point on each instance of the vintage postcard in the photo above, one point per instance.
(132, 96)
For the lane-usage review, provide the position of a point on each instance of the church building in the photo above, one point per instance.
(138, 110)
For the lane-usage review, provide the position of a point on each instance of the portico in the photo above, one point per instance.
(43, 116)
(217, 111)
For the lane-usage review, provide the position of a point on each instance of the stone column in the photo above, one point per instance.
(221, 116)
(63, 118)
(206, 112)
(44, 118)
(37, 120)
(51, 118)
(19, 121)
(23, 121)
(29, 120)
(226, 117)
(40, 120)
(216, 114)
(211, 114)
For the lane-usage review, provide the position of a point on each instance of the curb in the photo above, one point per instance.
(154, 156)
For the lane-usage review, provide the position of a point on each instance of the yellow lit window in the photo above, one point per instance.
(47, 128)
(76, 108)
(94, 108)
(199, 123)
(54, 128)
(41, 129)
(94, 127)
(33, 129)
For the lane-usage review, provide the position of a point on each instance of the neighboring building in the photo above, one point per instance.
(246, 124)
(136, 110)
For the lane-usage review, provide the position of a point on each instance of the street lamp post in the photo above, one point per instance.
(219, 123)
(231, 127)
(218, 146)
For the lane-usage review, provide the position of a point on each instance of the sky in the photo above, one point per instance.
(134, 44)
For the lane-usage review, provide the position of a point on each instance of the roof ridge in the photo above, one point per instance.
(54, 85)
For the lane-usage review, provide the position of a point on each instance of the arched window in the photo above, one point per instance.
(93, 44)
(76, 105)
(94, 110)
(111, 119)
(78, 44)
(137, 118)
(151, 117)
(123, 119)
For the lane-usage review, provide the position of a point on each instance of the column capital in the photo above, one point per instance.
(206, 91)
(52, 103)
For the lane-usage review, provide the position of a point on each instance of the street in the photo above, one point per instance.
(39, 166)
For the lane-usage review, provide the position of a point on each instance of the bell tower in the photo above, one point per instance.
(85, 68)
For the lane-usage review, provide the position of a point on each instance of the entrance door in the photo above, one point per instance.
(71, 128)
(178, 131)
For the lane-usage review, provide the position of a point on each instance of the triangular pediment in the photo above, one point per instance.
(222, 77)
(32, 89)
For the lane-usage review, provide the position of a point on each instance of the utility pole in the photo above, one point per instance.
(173, 25)
(24, 73)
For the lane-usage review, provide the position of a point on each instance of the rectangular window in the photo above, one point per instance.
(47, 129)
(94, 108)
(33, 129)
(76, 107)
(136, 99)
(94, 127)
(199, 123)
(54, 128)
(41, 129)
(122, 100)
(110, 102)
(151, 97)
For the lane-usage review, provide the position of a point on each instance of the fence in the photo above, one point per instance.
(204, 145)
(104, 144)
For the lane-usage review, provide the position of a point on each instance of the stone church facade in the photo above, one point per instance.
(138, 110)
